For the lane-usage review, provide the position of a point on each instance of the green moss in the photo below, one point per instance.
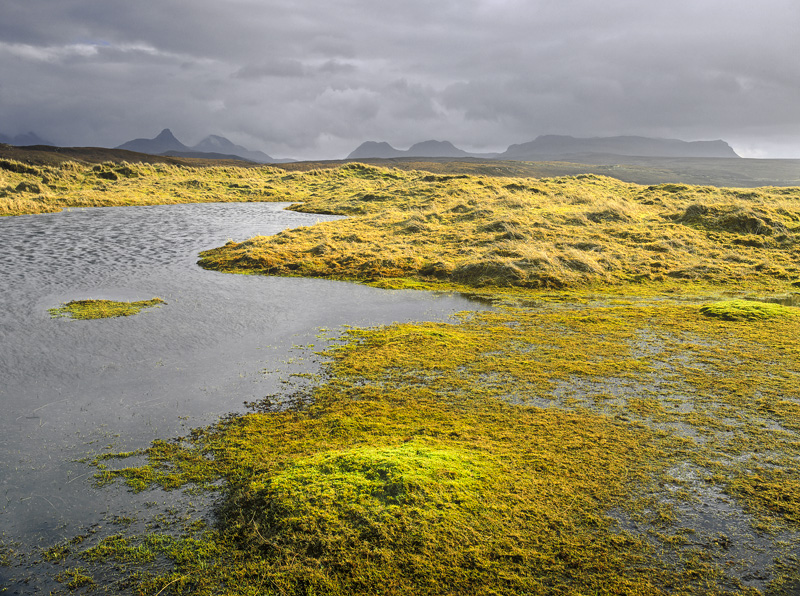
(102, 309)
(6, 555)
(745, 310)
(402, 283)
(75, 578)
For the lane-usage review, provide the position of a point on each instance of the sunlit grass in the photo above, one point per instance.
(549, 233)
(45, 189)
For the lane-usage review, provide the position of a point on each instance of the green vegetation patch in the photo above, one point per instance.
(75, 578)
(745, 310)
(102, 309)
(527, 450)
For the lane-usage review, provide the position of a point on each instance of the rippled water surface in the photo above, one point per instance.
(70, 388)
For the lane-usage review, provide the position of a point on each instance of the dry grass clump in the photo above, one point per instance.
(561, 232)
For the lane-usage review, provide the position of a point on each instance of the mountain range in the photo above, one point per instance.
(211, 147)
(558, 148)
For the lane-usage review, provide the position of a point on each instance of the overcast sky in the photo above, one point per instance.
(312, 79)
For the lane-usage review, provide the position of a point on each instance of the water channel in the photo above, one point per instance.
(72, 388)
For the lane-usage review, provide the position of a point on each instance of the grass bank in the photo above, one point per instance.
(102, 309)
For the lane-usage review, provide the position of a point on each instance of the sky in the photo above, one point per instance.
(313, 79)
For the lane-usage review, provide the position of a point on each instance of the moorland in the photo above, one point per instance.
(625, 419)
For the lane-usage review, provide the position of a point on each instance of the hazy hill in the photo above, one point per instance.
(165, 141)
(435, 149)
(207, 155)
(24, 140)
(559, 148)
(551, 147)
(212, 147)
(383, 150)
(220, 145)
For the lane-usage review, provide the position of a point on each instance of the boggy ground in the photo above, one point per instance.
(622, 422)
(589, 446)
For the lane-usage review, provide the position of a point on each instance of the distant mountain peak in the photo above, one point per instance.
(377, 149)
(24, 140)
(165, 141)
(166, 135)
(211, 147)
(435, 149)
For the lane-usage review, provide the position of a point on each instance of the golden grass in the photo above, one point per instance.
(510, 453)
(46, 189)
(550, 233)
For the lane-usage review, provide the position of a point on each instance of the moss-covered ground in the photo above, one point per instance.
(537, 233)
(623, 421)
(102, 309)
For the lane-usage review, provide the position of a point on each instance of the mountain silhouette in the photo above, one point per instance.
(221, 145)
(383, 150)
(24, 140)
(165, 141)
(558, 147)
(211, 147)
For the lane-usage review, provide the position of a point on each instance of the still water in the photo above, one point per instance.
(71, 388)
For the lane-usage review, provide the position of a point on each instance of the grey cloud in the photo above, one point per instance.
(278, 68)
(315, 79)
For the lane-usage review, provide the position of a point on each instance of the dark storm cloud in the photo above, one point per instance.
(314, 79)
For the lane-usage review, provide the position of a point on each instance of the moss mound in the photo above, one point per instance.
(102, 309)
(745, 310)
(408, 514)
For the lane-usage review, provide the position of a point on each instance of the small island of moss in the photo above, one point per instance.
(102, 309)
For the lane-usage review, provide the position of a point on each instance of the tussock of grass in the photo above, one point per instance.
(102, 309)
